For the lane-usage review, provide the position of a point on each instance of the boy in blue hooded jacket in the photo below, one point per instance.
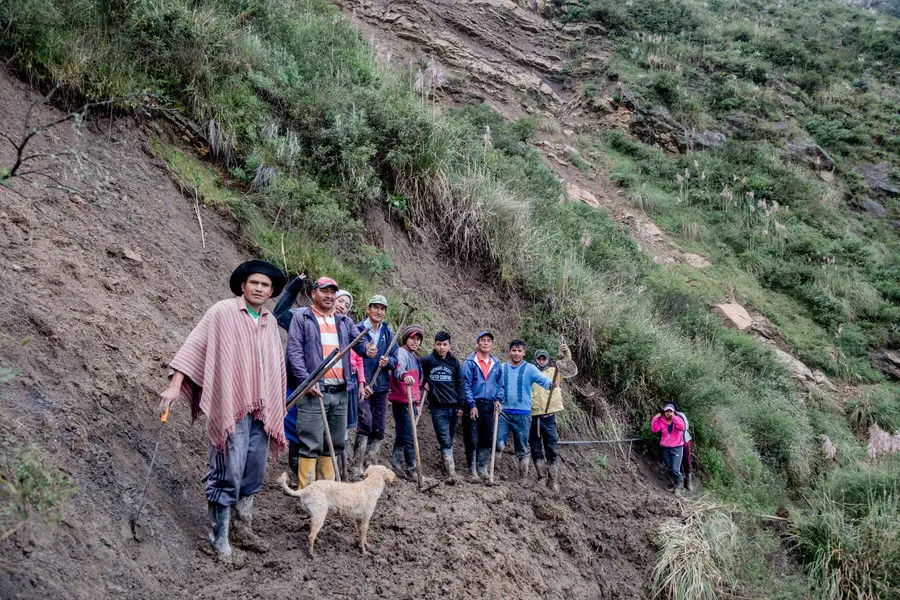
(517, 378)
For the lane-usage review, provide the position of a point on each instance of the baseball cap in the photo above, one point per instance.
(669, 407)
(378, 299)
(482, 334)
(324, 282)
(541, 353)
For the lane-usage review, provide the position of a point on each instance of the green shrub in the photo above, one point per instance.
(875, 405)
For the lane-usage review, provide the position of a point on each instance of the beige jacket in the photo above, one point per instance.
(539, 397)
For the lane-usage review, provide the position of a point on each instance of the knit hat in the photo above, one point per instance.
(410, 331)
(251, 267)
(377, 299)
(341, 294)
(541, 353)
(482, 334)
(324, 282)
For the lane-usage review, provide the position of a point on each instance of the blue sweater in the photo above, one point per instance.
(517, 383)
(479, 388)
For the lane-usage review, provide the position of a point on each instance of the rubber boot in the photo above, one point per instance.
(360, 446)
(324, 469)
(449, 467)
(293, 463)
(242, 527)
(688, 482)
(553, 476)
(523, 467)
(677, 489)
(484, 456)
(371, 455)
(412, 474)
(540, 467)
(397, 462)
(219, 522)
(470, 464)
(342, 463)
(306, 472)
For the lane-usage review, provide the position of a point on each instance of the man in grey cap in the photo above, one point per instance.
(484, 389)
(373, 402)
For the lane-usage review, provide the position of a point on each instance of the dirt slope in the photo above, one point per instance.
(97, 290)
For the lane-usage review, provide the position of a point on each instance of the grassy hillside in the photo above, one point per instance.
(308, 129)
(804, 251)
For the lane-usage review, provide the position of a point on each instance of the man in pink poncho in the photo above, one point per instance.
(231, 368)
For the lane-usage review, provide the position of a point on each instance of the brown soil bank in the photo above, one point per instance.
(97, 290)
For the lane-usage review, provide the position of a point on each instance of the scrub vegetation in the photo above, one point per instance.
(305, 129)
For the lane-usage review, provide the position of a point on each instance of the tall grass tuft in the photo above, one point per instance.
(696, 560)
(853, 551)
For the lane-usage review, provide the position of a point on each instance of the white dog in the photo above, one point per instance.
(357, 500)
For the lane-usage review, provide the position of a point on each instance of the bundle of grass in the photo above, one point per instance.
(696, 558)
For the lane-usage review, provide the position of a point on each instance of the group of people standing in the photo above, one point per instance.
(233, 368)
(384, 371)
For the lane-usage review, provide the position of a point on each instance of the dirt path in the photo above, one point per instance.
(97, 290)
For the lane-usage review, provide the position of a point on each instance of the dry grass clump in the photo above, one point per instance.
(695, 561)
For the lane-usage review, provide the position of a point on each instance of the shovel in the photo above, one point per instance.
(493, 447)
(412, 421)
(159, 436)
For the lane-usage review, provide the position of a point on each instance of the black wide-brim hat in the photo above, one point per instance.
(246, 269)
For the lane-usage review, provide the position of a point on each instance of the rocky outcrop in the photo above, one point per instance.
(810, 154)
(581, 195)
(655, 126)
(886, 361)
(704, 140)
(878, 178)
(491, 49)
(734, 315)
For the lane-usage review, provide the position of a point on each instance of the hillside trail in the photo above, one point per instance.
(506, 54)
(104, 273)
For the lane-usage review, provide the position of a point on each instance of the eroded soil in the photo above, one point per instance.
(103, 275)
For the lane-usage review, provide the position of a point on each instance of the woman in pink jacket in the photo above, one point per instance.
(671, 427)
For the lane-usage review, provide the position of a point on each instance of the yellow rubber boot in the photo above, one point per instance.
(324, 468)
(306, 472)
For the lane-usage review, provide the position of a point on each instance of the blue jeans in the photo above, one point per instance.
(519, 426)
(444, 420)
(403, 433)
(238, 471)
(542, 438)
(672, 458)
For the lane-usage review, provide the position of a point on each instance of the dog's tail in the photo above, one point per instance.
(283, 480)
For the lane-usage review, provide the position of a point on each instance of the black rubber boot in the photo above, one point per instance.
(242, 528)
(472, 468)
(219, 522)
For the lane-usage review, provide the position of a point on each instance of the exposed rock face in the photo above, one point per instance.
(874, 209)
(887, 361)
(491, 49)
(707, 139)
(695, 260)
(579, 194)
(878, 177)
(657, 127)
(735, 315)
(811, 154)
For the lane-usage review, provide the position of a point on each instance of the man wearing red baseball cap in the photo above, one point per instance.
(314, 332)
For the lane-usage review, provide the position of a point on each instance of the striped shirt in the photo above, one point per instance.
(330, 341)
